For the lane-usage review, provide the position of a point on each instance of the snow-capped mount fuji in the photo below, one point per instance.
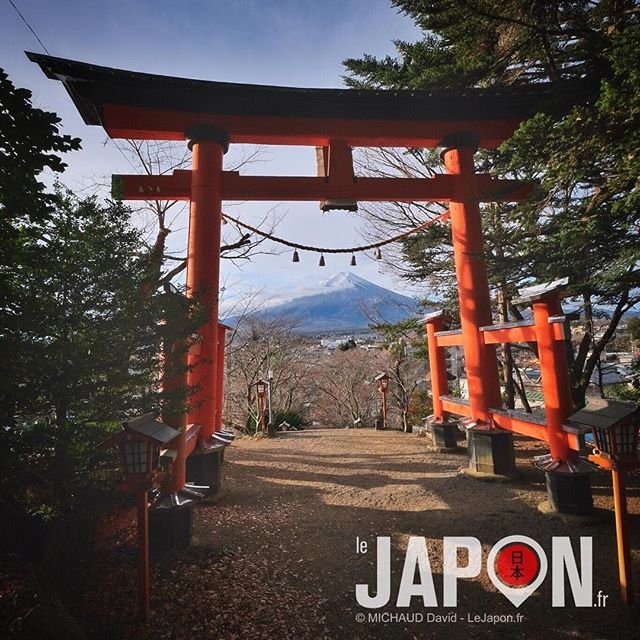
(345, 302)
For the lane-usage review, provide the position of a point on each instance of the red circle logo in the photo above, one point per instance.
(517, 565)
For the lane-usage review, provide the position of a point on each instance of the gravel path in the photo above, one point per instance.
(288, 516)
(274, 554)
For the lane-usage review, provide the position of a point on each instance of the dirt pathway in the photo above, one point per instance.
(284, 532)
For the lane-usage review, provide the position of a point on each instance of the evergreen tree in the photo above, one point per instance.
(583, 220)
(80, 345)
(29, 144)
(81, 327)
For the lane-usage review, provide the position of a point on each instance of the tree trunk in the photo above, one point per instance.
(522, 393)
(507, 361)
(579, 393)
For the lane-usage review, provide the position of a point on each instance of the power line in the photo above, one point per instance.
(264, 234)
(29, 27)
(122, 153)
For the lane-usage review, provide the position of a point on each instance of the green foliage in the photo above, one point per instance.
(466, 44)
(78, 303)
(293, 417)
(625, 392)
(51, 471)
(633, 327)
(589, 166)
(420, 406)
(66, 337)
(80, 326)
(29, 144)
(347, 344)
(583, 219)
(80, 343)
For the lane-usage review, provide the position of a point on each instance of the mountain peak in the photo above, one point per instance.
(345, 279)
(344, 302)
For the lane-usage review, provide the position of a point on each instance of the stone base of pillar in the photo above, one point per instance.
(569, 493)
(444, 436)
(170, 529)
(204, 469)
(491, 452)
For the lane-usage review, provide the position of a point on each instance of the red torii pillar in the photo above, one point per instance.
(437, 364)
(490, 450)
(554, 375)
(473, 285)
(568, 480)
(208, 145)
(222, 335)
(443, 432)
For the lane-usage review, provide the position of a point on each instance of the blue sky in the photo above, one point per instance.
(280, 42)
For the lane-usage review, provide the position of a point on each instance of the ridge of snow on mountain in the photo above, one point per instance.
(345, 302)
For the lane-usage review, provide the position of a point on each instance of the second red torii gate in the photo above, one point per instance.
(211, 115)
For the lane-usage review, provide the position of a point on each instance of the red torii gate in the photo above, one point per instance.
(211, 115)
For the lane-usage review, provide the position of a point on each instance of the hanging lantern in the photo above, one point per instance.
(378, 254)
(614, 427)
(139, 444)
(353, 260)
(296, 257)
(321, 263)
(261, 388)
(383, 381)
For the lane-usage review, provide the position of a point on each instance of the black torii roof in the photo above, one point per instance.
(90, 86)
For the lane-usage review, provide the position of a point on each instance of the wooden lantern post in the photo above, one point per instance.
(383, 386)
(614, 427)
(261, 392)
(142, 506)
(139, 445)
